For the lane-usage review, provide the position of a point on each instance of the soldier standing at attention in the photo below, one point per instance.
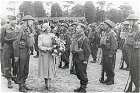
(80, 54)
(93, 41)
(133, 43)
(22, 52)
(123, 35)
(65, 55)
(7, 39)
(109, 46)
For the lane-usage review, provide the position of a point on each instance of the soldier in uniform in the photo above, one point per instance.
(93, 41)
(74, 25)
(37, 33)
(64, 36)
(123, 35)
(7, 39)
(109, 47)
(22, 52)
(80, 54)
(133, 44)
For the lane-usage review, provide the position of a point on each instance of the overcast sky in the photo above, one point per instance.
(116, 3)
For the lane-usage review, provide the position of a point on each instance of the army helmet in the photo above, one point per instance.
(132, 17)
(27, 17)
(112, 24)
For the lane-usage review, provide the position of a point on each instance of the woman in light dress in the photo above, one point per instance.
(47, 68)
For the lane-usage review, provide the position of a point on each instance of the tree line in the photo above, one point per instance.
(88, 10)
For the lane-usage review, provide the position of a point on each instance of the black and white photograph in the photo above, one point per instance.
(70, 46)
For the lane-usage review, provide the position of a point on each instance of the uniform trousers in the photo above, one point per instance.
(80, 68)
(23, 65)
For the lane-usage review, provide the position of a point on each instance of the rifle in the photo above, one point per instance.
(129, 89)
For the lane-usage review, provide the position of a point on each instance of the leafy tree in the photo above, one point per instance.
(27, 8)
(67, 5)
(99, 15)
(77, 11)
(101, 4)
(47, 5)
(89, 11)
(56, 10)
(125, 10)
(114, 15)
(39, 9)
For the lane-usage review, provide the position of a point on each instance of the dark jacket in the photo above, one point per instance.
(22, 39)
(111, 44)
(84, 55)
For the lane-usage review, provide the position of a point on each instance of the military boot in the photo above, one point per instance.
(83, 89)
(10, 83)
(65, 66)
(107, 80)
(22, 88)
(60, 65)
(47, 86)
(77, 90)
(111, 81)
(26, 87)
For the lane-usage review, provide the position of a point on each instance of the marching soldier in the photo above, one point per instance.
(22, 52)
(7, 39)
(133, 43)
(93, 41)
(81, 52)
(109, 47)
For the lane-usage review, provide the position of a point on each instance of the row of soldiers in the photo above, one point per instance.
(18, 43)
